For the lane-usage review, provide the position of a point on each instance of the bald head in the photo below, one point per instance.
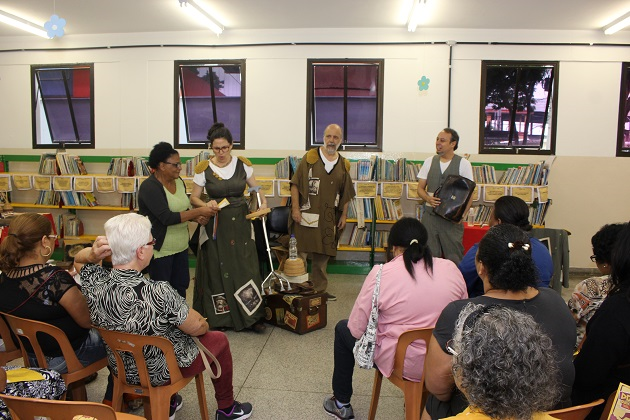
(332, 139)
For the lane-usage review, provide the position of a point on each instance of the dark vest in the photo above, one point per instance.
(435, 177)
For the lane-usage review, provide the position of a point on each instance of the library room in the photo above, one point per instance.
(332, 117)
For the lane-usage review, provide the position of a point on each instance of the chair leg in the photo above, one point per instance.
(201, 395)
(78, 391)
(412, 401)
(376, 392)
(159, 410)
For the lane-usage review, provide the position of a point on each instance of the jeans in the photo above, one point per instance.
(343, 362)
(90, 351)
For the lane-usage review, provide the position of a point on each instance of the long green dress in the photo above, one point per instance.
(227, 285)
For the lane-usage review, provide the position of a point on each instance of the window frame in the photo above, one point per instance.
(624, 93)
(483, 149)
(310, 104)
(211, 63)
(34, 104)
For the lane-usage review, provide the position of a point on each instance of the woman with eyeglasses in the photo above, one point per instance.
(227, 261)
(589, 294)
(509, 277)
(32, 289)
(604, 360)
(162, 198)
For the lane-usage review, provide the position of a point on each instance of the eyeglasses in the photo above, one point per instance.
(594, 258)
(177, 164)
(53, 237)
(221, 149)
(152, 243)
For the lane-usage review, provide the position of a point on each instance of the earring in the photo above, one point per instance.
(49, 251)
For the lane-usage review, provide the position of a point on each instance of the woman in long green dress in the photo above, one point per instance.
(227, 284)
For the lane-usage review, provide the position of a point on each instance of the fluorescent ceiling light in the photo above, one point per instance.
(416, 14)
(617, 24)
(23, 24)
(203, 16)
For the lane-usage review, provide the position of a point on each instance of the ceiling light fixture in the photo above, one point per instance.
(617, 24)
(202, 15)
(416, 14)
(23, 24)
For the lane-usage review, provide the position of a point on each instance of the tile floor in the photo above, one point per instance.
(287, 376)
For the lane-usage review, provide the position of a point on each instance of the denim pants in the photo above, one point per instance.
(90, 351)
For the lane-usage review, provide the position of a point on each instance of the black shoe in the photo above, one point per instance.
(239, 411)
(331, 298)
(176, 405)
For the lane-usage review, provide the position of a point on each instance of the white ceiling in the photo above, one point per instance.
(129, 16)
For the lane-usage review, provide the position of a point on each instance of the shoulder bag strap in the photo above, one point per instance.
(203, 349)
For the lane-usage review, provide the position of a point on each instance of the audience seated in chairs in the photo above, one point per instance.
(414, 288)
(503, 362)
(151, 308)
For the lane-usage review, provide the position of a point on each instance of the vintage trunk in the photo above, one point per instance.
(300, 314)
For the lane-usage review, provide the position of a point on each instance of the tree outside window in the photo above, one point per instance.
(63, 106)
(518, 107)
(207, 92)
(348, 93)
(623, 140)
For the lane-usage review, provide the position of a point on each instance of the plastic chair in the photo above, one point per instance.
(577, 412)
(156, 398)
(11, 351)
(415, 395)
(32, 408)
(29, 329)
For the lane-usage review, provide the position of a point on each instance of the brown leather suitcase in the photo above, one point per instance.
(297, 313)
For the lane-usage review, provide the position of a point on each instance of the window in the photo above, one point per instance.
(207, 92)
(623, 139)
(63, 106)
(518, 107)
(348, 93)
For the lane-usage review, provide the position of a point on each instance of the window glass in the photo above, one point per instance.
(63, 106)
(518, 107)
(209, 92)
(348, 93)
(623, 142)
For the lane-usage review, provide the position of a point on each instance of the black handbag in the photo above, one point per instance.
(454, 195)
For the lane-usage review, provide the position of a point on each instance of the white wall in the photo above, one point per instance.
(134, 103)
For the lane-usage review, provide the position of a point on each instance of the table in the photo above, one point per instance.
(473, 234)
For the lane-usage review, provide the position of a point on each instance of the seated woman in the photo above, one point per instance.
(129, 242)
(503, 362)
(604, 360)
(509, 278)
(513, 211)
(31, 289)
(50, 387)
(414, 289)
(589, 294)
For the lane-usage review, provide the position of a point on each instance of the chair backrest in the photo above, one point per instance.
(577, 412)
(11, 351)
(404, 341)
(32, 408)
(134, 344)
(278, 219)
(30, 329)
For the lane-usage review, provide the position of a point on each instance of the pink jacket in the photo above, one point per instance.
(405, 304)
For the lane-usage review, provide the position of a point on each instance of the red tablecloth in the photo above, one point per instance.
(472, 235)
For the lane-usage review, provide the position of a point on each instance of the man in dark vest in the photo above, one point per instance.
(445, 237)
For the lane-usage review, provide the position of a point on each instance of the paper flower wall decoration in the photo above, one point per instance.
(54, 27)
(423, 84)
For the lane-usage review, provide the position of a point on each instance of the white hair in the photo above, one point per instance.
(125, 234)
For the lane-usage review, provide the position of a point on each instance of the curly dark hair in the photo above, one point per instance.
(512, 210)
(505, 363)
(509, 267)
(402, 234)
(219, 131)
(25, 231)
(604, 240)
(620, 263)
(160, 153)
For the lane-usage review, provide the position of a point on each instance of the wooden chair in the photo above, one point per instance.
(11, 351)
(29, 329)
(609, 403)
(415, 395)
(577, 412)
(156, 398)
(34, 408)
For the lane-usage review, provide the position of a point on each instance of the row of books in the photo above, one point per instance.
(480, 215)
(70, 225)
(362, 237)
(387, 208)
(191, 163)
(72, 198)
(484, 174)
(287, 167)
(532, 174)
(130, 166)
(360, 209)
(70, 164)
(48, 198)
